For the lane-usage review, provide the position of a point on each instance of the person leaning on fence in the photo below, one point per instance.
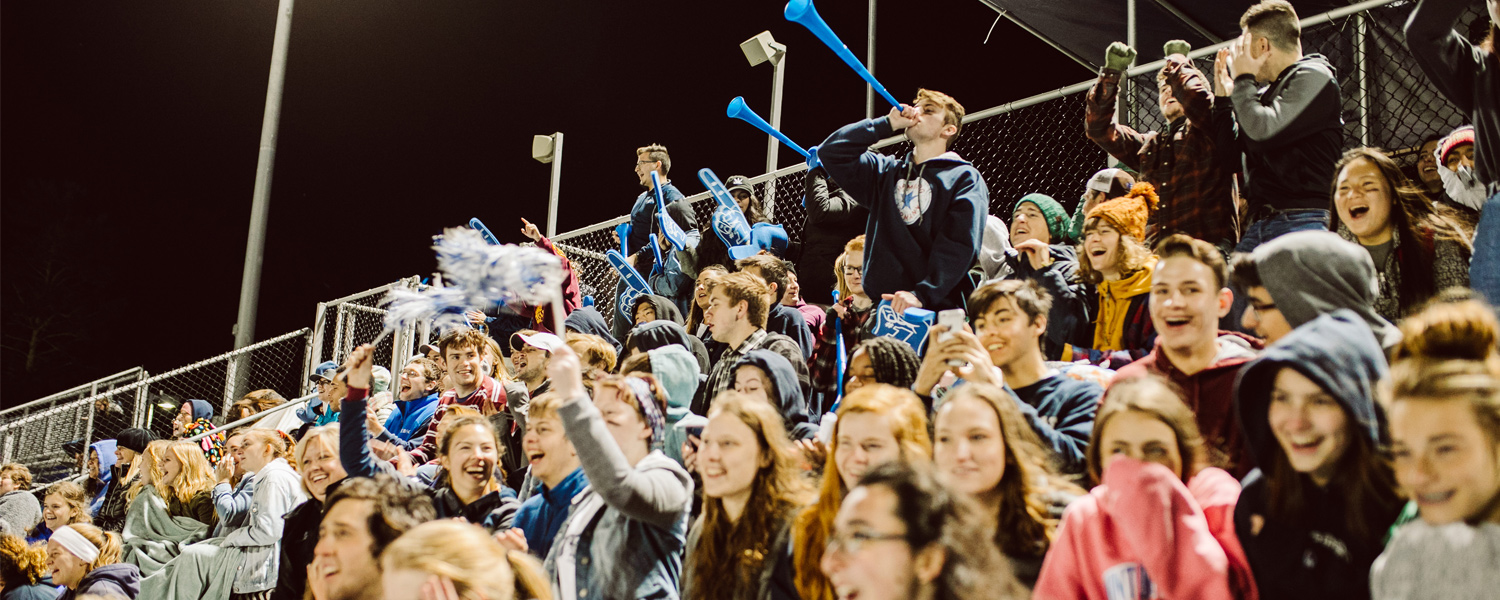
(833, 218)
(1290, 131)
(1191, 161)
(925, 229)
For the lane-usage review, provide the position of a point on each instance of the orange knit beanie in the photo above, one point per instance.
(1129, 213)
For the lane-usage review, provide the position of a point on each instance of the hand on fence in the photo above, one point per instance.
(1118, 56)
(358, 366)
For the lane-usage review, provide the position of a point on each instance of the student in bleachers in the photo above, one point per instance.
(695, 324)
(1427, 174)
(833, 218)
(599, 358)
(587, 320)
(985, 448)
(661, 333)
(1189, 294)
(792, 297)
(317, 460)
(471, 363)
(900, 534)
(86, 560)
(253, 403)
(782, 319)
(738, 305)
(158, 523)
(1287, 109)
(753, 487)
(555, 464)
(1117, 264)
(1417, 250)
(362, 519)
(876, 424)
(1445, 434)
(770, 377)
(416, 402)
(101, 465)
(884, 360)
(1039, 231)
(849, 317)
(924, 232)
(1010, 318)
(443, 559)
(63, 503)
(234, 487)
(1159, 524)
(23, 571)
(624, 537)
(1191, 161)
(129, 443)
(1455, 158)
(19, 510)
(1295, 278)
(1314, 515)
(186, 482)
(677, 372)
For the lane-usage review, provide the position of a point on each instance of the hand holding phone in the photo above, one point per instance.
(953, 320)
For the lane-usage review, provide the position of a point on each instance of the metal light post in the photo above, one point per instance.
(759, 49)
(548, 149)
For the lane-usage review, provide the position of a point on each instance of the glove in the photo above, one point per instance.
(1176, 47)
(1118, 56)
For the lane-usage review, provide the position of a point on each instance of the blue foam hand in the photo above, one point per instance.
(770, 236)
(674, 234)
(623, 230)
(478, 225)
(911, 327)
(728, 221)
(656, 251)
(740, 252)
(635, 285)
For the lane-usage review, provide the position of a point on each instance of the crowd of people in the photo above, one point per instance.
(1249, 365)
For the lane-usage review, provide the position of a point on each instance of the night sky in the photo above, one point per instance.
(130, 132)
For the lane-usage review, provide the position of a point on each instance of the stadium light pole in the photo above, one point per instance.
(548, 149)
(759, 49)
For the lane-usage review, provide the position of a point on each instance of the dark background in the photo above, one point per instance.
(130, 132)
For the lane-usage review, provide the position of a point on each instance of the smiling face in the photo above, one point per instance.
(1101, 246)
(753, 381)
(531, 363)
(1167, 102)
(1028, 223)
(729, 457)
(793, 295)
(1462, 155)
(466, 366)
(171, 468)
(56, 512)
(1363, 199)
(624, 423)
(865, 441)
(548, 450)
(471, 457)
(1007, 333)
(1142, 437)
(1427, 166)
(414, 383)
(342, 556)
(1309, 424)
(124, 456)
(1186, 303)
(643, 168)
(870, 560)
(969, 448)
(67, 570)
(1443, 459)
(321, 467)
(861, 371)
(93, 463)
(854, 275)
(7, 485)
(1263, 317)
(236, 447)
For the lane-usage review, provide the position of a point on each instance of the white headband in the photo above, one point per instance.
(75, 543)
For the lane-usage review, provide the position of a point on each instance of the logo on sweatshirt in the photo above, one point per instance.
(1128, 581)
(913, 198)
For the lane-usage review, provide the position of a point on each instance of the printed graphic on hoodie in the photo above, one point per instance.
(913, 199)
(1128, 581)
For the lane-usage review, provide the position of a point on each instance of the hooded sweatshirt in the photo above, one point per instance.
(677, 371)
(1210, 393)
(1071, 303)
(586, 319)
(1292, 135)
(923, 236)
(202, 409)
(1314, 556)
(1461, 73)
(98, 489)
(1143, 534)
(662, 332)
(118, 579)
(1311, 273)
(786, 392)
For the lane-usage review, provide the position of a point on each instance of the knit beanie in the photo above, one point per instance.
(1057, 218)
(1462, 135)
(1129, 213)
(135, 439)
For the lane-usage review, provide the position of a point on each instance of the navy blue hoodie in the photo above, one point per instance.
(1316, 557)
(786, 394)
(118, 579)
(925, 241)
(586, 319)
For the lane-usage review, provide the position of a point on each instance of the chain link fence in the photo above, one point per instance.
(345, 323)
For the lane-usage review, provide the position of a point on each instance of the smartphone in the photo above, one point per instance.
(694, 431)
(953, 319)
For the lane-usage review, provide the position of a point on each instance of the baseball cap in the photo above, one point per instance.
(1113, 182)
(739, 182)
(426, 349)
(324, 371)
(545, 341)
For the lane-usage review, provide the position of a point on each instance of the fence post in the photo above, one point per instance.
(140, 398)
(1362, 76)
(314, 353)
(338, 331)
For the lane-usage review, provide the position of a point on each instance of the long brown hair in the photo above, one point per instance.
(729, 555)
(446, 440)
(1414, 218)
(1133, 255)
(908, 418)
(1025, 525)
(1156, 397)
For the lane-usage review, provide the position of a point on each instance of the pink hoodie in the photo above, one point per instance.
(1142, 534)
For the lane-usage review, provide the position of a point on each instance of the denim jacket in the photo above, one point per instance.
(278, 490)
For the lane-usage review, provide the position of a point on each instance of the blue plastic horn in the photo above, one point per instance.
(738, 110)
(803, 12)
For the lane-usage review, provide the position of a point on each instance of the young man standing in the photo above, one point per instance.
(553, 462)
(736, 316)
(1290, 130)
(1191, 162)
(1188, 297)
(363, 516)
(782, 319)
(1010, 320)
(927, 209)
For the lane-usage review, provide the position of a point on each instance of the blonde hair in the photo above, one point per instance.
(149, 465)
(327, 435)
(908, 419)
(75, 497)
(273, 440)
(108, 543)
(543, 407)
(479, 567)
(196, 475)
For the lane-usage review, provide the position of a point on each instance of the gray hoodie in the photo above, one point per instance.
(1311, 273)
(677, 371)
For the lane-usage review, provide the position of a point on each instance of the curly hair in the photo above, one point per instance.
(396, 507)
(21, 564)
(894, 361)
(75, 497)
(1134, 255)
(18, 474)
(730, 554)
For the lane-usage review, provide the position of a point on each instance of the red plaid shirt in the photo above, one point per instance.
(1192, 168)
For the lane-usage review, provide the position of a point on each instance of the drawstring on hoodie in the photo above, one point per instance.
(905, 192)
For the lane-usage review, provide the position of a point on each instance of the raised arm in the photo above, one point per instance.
(1309, 97)
(1443, 54)
(847, 157)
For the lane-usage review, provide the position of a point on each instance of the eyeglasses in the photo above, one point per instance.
(645, 162)
(852, 542)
